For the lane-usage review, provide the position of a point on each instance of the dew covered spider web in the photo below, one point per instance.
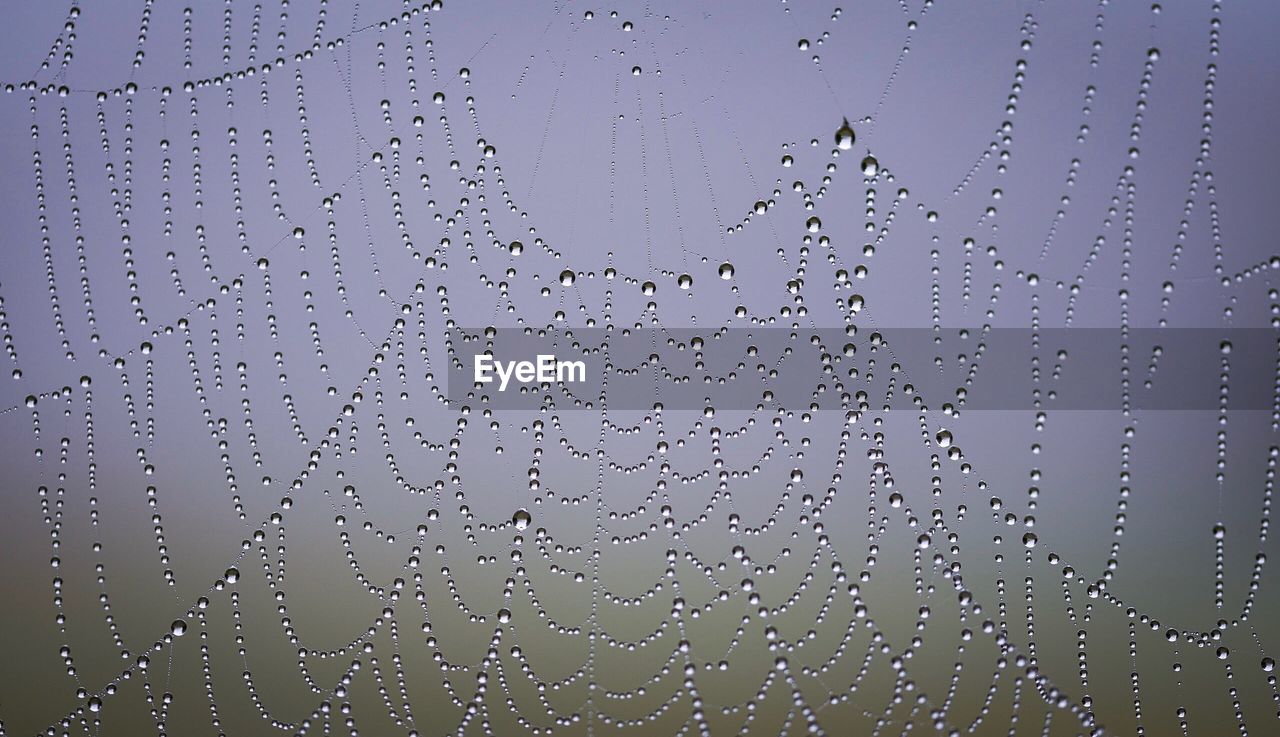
(247, 245)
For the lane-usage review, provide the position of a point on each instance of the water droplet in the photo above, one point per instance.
(521, 519)
(844, 136)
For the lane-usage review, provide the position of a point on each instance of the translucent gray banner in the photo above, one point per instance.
(860, 368)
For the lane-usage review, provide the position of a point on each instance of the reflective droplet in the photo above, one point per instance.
(521, 519)
(844, 136)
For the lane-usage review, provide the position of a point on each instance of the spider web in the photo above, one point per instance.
(249, 243)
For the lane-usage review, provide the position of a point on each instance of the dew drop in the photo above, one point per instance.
(521, 519)
(844, 136)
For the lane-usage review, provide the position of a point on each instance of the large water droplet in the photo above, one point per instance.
(844, 136)
(521, 519)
